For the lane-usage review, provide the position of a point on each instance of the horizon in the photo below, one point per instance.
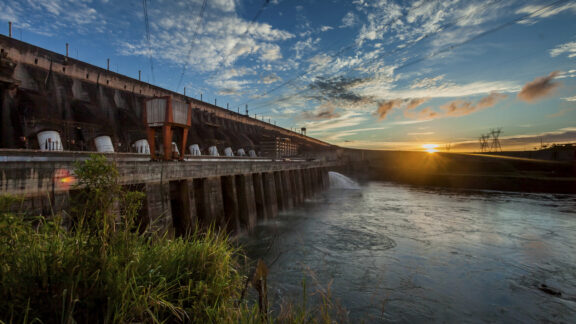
(368, 76)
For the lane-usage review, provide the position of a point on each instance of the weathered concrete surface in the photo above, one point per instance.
(209, 202)
(270, 197)
(158, 212)
(261, 209)
(246, 201)
(230, 200)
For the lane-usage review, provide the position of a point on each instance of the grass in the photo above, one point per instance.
(100, 269)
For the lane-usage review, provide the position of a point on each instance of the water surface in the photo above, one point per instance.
(403, 254)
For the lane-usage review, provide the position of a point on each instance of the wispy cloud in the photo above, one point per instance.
(566, 48)
(348, 119)
(540, 11)
(539, 88)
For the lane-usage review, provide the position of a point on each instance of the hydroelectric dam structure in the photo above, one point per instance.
(197, 163)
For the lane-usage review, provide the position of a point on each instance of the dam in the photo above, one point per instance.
(216, 166)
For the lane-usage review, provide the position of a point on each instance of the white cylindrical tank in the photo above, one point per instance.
(142, 146)
(241, 152)
(195, 150)
(252, 153)
(213, 150)
(50, 141)
(104, 144)
(228, 151)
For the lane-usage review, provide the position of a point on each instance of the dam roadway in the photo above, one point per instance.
(232, 192)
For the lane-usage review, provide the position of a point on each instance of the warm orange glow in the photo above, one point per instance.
(64, 179)
(430, 148)
(67, 180)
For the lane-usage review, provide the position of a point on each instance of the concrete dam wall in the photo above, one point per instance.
(42, 90)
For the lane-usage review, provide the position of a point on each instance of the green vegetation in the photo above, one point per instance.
(102, 270)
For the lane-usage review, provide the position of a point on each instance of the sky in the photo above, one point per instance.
(376, 74)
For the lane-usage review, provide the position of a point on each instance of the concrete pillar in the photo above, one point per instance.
(261, 210)
(325, 178)
(209, 203)
(280, 195)
(299, 192)
(246, 201)
(313, 181)
(288, 188)
(183, 206)
(307, 183)
(157, 209)
(270, 195)
(231, 207)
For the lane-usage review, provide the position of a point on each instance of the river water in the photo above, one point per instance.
(395, 253)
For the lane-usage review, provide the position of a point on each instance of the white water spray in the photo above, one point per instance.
(340, 181)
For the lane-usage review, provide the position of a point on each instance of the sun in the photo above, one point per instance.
(430, 148)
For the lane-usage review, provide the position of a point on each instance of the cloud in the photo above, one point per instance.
(385, 107)
(425, 114)
(455, 108)
(539, 11)
(348, 119)
(223, 38)
(427, 82)
(338, 91)
(420, 134)
(539, 88)
(461, 107)
(570, 98)
(413, 103)
(326, 28)
(567, 48)
(320, 114)
(270, 78)
(348, 20)
(49, 17)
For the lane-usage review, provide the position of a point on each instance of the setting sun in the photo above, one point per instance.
(430, 148)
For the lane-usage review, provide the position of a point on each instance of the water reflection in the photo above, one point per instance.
(405, 254)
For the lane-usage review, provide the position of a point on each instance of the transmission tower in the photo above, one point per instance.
(483, 139)
(495, 146)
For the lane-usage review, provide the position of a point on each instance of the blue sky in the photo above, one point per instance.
(366, 74)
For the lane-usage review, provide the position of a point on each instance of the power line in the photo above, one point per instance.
(147, 27)
(198, 24)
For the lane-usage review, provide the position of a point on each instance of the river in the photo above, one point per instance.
(395, 253)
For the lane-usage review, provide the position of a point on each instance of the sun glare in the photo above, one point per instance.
(430, 148)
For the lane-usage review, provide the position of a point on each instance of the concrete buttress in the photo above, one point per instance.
(246, 201)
